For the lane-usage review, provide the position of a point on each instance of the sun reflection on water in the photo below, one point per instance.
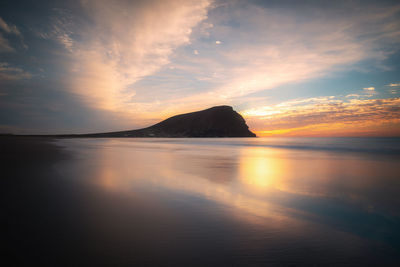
(130, 170)
(261, 169)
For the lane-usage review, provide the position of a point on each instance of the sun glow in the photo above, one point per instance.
(261, 169)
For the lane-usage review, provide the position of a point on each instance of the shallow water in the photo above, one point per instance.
(245, 201)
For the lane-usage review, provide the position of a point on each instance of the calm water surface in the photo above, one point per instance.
(228, 202)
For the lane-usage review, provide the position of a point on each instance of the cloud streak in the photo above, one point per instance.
(5, 46)
(9, 28)
(8, 72)
(393, 85)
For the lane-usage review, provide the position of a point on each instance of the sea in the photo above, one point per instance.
(210, 202)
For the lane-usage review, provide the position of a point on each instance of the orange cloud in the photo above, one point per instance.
(327, 117)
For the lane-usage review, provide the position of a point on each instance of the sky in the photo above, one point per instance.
(290, 68)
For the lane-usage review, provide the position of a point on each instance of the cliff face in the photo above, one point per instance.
(220, 121)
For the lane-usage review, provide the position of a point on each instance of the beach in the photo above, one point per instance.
(201, 201)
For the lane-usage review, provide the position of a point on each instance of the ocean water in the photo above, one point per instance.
(220, 202)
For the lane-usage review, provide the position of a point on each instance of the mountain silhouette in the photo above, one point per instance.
(219, 121)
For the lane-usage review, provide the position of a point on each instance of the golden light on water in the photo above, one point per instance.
(261, 169)
(125, 170)
(250, 179)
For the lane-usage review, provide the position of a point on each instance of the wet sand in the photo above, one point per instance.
(39, 208)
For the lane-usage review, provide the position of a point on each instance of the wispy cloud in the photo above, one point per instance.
(353, 95)
(8, 72)
(369, 88)
(62, 28)
(9, 28)
(5, 45)
(393, 85)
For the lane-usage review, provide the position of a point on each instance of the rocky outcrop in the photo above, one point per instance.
(219, 121)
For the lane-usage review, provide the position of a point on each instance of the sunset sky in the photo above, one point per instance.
(291, 68)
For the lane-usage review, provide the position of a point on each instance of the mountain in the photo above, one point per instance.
(219, 121)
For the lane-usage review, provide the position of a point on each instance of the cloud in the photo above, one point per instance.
(119, 45)
(9, 28)
(369, 88)
(66, 40)
(124, 43)
(393, 84)
(267, 47)
(353, 95)
(284, 49)
(321, 114)
(63, 28)
(8, 72)
(5, 45)
(136, 58)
